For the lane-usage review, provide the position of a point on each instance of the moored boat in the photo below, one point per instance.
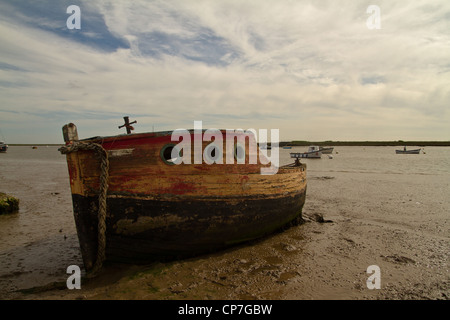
(154, 209)
(313, 152)
(326, 150)
(404, 151)
(3, 146)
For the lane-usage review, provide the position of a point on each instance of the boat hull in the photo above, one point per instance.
(327, 150)
(140, 230)
(311, 155)
(416, 151)
(313, 152)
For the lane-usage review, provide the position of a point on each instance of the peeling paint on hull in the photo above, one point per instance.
(158, 211)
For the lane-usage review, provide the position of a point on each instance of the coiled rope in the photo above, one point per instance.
(104, 176)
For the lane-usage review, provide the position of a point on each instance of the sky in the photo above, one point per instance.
(316, 70)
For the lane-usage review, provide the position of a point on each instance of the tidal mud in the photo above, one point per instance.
(354, 218)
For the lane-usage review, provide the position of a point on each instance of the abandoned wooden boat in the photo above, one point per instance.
(154, 209)
(313, 152)
(404, 151)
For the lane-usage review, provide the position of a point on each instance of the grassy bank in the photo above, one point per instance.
(35, 144)
(321, 143)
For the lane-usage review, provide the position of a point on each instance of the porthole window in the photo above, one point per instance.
(166, 154)
(239, 153)
(212, 154)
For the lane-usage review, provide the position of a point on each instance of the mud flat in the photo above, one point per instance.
(316, 260)
(386, 216)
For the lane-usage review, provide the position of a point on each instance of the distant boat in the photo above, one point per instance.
(313, 152)
(326, 150)
(404, 151)
(33, 147)
(287, 147)
(3, 146)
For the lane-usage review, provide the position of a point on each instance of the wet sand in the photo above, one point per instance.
(389, 217)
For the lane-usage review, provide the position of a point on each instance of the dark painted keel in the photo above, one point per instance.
(142, 231)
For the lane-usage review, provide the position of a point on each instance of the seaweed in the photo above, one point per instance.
(8, 204)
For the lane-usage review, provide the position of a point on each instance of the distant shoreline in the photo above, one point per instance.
(35, 145)
(315, 143)
(368, 143)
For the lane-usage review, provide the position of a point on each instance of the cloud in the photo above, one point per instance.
(51, 16)
(310, 69)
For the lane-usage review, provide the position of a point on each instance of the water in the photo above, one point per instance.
(384, 160)
(39, 242)
(386, 203)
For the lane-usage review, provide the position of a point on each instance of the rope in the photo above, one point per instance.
(104, 176)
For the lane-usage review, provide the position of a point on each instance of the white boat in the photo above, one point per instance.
(326, 150)
(313, 152)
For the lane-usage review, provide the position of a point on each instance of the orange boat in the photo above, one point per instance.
(133, 204)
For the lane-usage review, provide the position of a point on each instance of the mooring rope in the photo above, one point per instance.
(104, 176)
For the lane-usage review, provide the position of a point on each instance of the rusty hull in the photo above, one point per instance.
(157, 211)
